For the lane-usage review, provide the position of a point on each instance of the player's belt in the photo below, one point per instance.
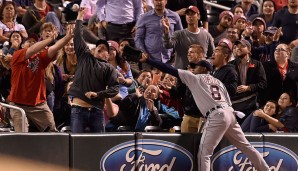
(213, 109)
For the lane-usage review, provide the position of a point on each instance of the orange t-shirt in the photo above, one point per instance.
(28, 77)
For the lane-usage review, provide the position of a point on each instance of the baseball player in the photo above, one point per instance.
(214, 102)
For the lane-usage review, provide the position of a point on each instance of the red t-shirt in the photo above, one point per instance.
(28, 77)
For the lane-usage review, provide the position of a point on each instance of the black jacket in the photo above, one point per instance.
(228, 76)
(255, 78)
(290, 119)
(275, 85)
(182, 92)
(92, 74)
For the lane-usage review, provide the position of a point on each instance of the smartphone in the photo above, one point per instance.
(156, 79)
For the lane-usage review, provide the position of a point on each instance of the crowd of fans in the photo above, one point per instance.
(253, 50)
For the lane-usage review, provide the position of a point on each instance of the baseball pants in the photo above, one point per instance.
(222, 122)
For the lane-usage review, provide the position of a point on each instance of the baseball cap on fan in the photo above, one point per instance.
(243, 42)
(101, 41)
(113, 44)
(193, 9)
(271, 30)
(226, 42)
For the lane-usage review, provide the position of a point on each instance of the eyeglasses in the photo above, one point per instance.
(280, 49)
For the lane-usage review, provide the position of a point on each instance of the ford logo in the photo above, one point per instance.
(147, 155)
(278, 158)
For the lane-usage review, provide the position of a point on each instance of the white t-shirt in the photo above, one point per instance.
(17, 27)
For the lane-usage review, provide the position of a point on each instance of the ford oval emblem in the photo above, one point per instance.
(278, 158)
(145, 155)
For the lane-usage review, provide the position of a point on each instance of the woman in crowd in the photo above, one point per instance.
(254, 123)
(134, 66)
(268, 11)
(238, 10)
(240, 22)
(15, 41)
(288, 114)
(124, 73)
(281, 74)
(8, 23)
(67, 61)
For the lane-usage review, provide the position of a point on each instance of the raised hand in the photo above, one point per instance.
(55, 33)
(69, 30)
(166, 24)
(81, 13)
(277, 34)
(181, 12)
(146, 82)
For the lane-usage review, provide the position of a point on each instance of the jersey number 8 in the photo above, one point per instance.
(215, 92)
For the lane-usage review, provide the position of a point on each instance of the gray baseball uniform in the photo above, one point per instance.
(214, 102)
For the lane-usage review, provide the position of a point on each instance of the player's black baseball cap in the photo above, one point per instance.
(206, 64)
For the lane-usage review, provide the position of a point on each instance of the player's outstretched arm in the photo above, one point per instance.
(159, 65)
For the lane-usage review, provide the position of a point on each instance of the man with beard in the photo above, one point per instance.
(219, 31)
(181, 40)
(287, 18)
(251, 78)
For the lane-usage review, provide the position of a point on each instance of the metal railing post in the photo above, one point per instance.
(21, 110)
(217, 5)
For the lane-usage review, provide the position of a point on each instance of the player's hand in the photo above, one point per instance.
(144, 57)
(166, 24)
(81, 13)
(242, 88)
(91, 95)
